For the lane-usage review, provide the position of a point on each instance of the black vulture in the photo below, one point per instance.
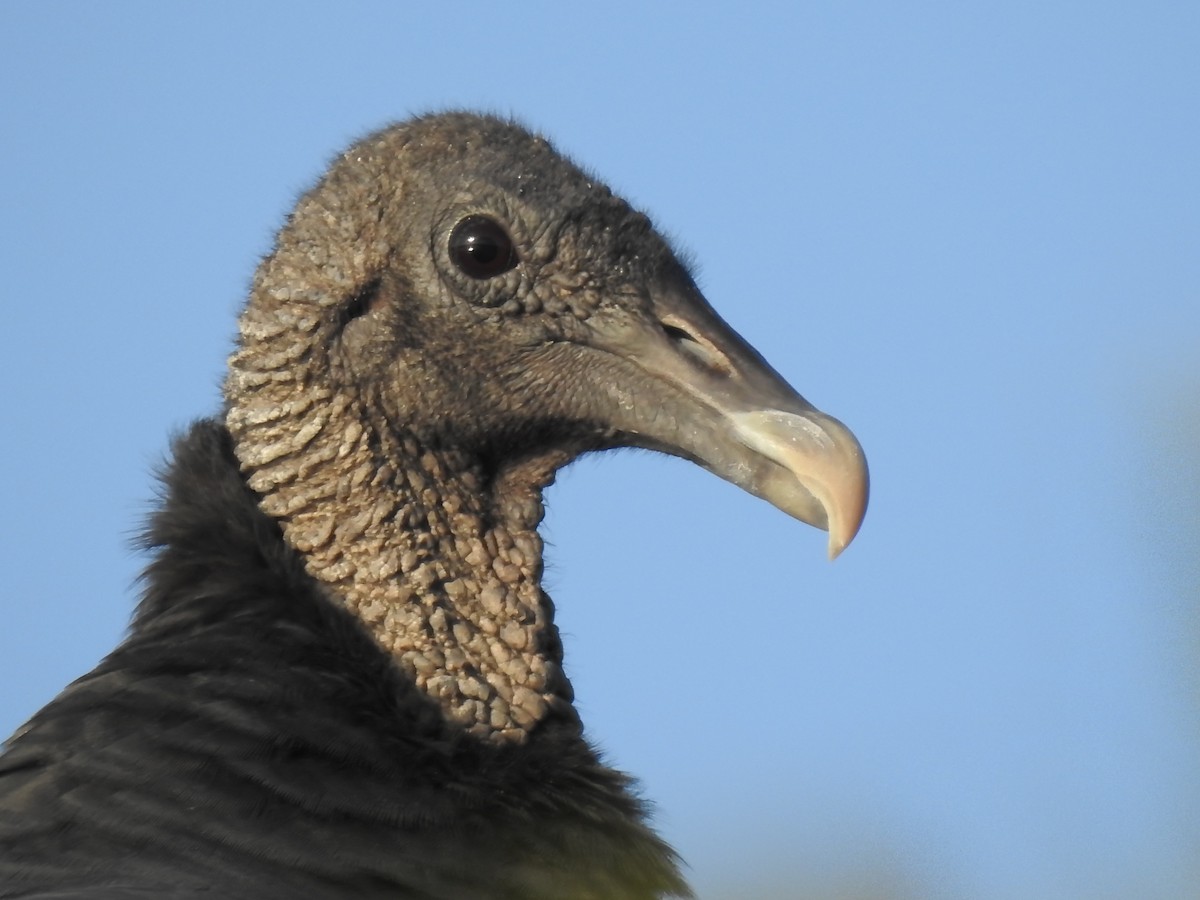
(343, 678)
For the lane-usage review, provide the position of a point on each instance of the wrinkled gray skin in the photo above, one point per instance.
(344, 679)
(598, 338)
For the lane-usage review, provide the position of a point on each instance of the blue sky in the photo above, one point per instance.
(970, 231)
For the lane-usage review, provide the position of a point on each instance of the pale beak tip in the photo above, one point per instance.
(839, 541)
(845, 522)
(829, 482)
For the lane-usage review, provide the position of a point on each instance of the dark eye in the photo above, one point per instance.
(482, 248)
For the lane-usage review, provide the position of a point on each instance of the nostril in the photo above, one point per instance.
(678, 335)
(698, 350)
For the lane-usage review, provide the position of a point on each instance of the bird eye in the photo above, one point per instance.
(481, 247)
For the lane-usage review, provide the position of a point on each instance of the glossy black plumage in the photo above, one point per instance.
(270, 736)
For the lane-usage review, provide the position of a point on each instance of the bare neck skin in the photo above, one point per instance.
(443, 569)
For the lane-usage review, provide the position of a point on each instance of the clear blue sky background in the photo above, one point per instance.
(970, 230)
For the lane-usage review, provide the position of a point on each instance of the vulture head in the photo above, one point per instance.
(454, 312)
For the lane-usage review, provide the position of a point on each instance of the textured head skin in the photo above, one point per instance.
(495, 366)
(400, 415)
(401, 418)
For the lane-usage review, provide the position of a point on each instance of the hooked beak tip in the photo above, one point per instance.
(829, 482)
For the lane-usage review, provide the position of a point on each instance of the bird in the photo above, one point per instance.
(343, 676)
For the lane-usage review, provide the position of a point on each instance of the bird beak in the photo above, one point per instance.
(822, 479)
(713, 399)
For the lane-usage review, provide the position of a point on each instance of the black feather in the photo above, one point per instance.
(250, 740)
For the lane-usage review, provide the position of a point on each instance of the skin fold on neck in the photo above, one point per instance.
(404, 536)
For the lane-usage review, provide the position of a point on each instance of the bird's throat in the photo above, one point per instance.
(449, 586)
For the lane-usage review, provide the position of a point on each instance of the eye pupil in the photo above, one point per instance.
(481, 248)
